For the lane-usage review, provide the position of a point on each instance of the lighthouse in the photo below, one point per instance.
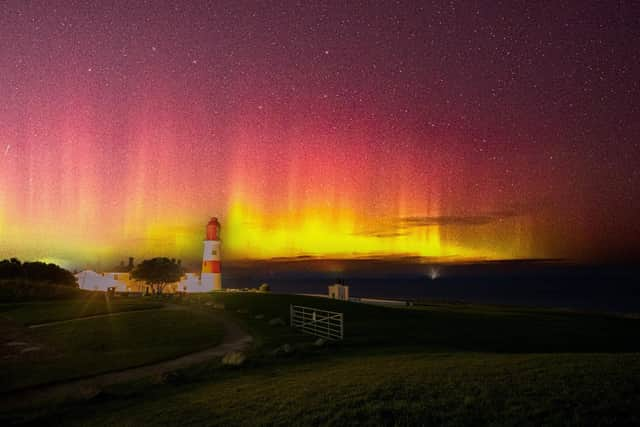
(210, 279)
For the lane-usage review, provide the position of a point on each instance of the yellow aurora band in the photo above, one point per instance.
(323, 232)
(319, 231)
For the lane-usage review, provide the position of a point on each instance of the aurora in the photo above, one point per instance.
(123, 139)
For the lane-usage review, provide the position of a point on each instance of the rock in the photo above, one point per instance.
(243, 311)
(283, 350)
(259, 316)
(16, 343)
(89, 392)
(218, 306)
(276, 321)
(234, 358)
(29, 349)
(172, 377)
(208, 303)
(319, 342)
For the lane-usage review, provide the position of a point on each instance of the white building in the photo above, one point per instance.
(92, 281)
(122, 282)
(339, 291)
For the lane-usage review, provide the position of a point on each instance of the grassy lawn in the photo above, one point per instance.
(31, 313)
(387, 389)
(91, 346)
(443, 327)
(440, 364)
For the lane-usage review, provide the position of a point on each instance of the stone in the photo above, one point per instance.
(234, 358)
(283, 350)
(319, 342)
(89, 392)
(171, 377)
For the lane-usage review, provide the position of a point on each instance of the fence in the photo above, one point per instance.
(321, 323)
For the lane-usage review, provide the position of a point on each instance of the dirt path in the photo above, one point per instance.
(235, 339)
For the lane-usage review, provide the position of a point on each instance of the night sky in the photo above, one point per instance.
(455, 130)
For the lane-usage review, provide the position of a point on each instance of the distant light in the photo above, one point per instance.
(434, 273)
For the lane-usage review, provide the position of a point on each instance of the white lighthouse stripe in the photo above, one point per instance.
(211, 250)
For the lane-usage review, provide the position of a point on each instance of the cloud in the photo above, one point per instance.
(383, 234)
(401, 226)
(444, 220)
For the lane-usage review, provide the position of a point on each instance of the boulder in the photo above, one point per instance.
(171, 377)
(88, 392)
(320, 342)
(283, 350)
(234, 358)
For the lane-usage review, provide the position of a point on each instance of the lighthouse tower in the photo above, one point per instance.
(210, 279)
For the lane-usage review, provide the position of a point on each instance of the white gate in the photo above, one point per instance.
(321, 323)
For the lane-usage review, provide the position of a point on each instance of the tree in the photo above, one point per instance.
(158, 273)
(36, 271)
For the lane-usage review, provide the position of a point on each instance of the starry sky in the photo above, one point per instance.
(445, 130)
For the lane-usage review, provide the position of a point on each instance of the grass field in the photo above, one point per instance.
(447, 327)
(90, 346)
(387, 389)
(31, 313)
(440, 364)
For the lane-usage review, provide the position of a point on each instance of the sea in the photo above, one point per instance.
(555, 284)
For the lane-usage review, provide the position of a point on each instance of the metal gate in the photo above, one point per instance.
(321, 323)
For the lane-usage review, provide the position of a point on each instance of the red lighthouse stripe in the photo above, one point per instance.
(211, 266)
